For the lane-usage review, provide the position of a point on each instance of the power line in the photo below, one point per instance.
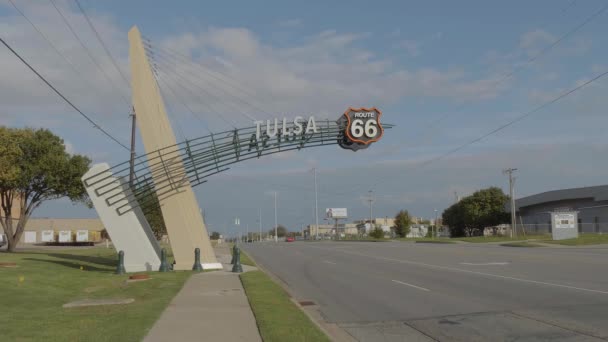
(102, 43)
(90, 54)
(53, 46)
(546, 49)
(501, 127)
(95, 125)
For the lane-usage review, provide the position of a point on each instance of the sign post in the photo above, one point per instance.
(336, 214)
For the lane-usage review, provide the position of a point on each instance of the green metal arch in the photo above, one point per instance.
(193, 161)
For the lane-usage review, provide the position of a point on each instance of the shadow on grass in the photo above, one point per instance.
(86, 258)
(71, 265)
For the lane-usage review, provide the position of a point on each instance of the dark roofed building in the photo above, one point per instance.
(591, 203)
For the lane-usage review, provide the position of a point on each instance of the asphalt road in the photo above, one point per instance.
(400, 291)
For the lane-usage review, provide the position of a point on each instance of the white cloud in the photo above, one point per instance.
(69, 147)
(411, 47)
(533, 41)
(290, 22)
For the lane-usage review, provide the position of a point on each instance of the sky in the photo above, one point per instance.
(444, 73)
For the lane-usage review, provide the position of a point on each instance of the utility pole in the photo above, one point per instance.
(316, 207)
(435, 225)
(247, 237)
(511, 193)
(132, 160)
(276, 238)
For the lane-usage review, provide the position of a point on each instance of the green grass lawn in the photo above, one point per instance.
(583, 239)
(520, 244)
(481, 239)
(246, 260)
(278, 318)
(32, 296)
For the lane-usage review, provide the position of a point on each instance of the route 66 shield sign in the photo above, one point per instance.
(361, 127)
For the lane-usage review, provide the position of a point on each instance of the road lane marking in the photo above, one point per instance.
(414, 286)
(329, 262)
(470, 271)
(484, 263)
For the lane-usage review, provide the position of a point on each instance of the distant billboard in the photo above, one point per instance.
(336, 213)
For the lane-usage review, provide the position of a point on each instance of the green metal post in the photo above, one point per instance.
(197, 260)
(233, 254)
(164, 266)
(237, 268)
(120, 268)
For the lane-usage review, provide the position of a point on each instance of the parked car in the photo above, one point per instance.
(290, 239)
(2, 240)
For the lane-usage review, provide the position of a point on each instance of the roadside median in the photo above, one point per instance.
(278, 318)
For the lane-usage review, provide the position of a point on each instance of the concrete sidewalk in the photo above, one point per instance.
(212, 306)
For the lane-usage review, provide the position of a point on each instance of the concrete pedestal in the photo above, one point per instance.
(130, 232)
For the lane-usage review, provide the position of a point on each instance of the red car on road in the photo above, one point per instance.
(290, 239)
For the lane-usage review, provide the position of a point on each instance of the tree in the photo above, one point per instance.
(484, 208)
(34, 168)
(402, 223)
(377, 233)
(281, 231)
(215, 236)
(148, 200)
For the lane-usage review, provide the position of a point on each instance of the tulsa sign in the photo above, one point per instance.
(358, 128)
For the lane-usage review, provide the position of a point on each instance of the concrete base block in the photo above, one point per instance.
(130, 232)
(212, 266)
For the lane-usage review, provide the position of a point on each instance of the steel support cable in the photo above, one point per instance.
(169, 108)
(232, 94)
(88, 52)
(184, 102)
(213, 106)
(227, 80)
(178, 99)
(102, 43)
(53, 46)
(517, 68)
(175, 71)
(217, 109)
(229, 93)
(95, 125)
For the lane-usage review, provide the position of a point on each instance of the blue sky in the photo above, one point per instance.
(435, 68)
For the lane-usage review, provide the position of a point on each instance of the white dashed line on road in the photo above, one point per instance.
(414, 286)
(329, 262)
(484, 263)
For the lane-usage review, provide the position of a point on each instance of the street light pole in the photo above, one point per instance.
(276, 238)
(316, 207)
(260, 222)
(370, 209)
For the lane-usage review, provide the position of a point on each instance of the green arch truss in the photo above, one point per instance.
(193, 161)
